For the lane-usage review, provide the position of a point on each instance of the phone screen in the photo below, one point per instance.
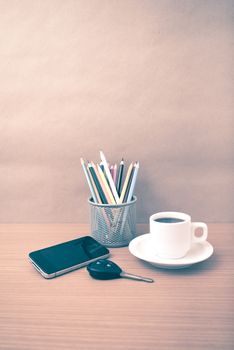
(67, 255)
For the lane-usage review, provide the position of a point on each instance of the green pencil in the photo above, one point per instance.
(97, 184)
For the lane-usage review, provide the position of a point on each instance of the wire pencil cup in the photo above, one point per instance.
(113, 225)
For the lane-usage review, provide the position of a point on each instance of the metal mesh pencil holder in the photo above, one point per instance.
(113, 225)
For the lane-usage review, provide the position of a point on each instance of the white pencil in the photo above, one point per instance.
(109, 177)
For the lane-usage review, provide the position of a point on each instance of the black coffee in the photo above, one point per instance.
(169, 220)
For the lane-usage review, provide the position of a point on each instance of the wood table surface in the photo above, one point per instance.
(188, 309)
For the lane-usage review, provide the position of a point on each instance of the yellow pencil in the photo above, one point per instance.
(126, 183)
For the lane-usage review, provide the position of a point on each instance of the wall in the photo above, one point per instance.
(147, 80)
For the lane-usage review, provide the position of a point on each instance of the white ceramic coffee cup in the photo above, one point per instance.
(173, 240)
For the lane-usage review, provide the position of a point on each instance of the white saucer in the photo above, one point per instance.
(141, 247)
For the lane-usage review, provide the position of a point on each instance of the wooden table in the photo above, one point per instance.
(184, 309)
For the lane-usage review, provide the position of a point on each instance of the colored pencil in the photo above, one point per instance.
(89, 180)
(105, 186)
(101, 183)
(97, 183)
(115, 174)
(130, 190)
(126, 183)
(94, 186)
(129, 184)
(103, 169)
(133, 182)
(102, 166)
(120, 176)
(110, 179)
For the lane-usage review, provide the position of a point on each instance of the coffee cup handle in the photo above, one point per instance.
(204, 228)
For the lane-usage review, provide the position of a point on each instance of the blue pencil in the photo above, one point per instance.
(133, 182)
(120, 176)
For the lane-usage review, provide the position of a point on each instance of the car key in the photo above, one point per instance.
(103, 269)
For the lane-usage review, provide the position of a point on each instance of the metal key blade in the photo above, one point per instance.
(135, 277)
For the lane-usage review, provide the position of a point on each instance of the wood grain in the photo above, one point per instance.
(184, 309)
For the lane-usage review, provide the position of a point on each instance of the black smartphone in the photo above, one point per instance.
(68, 256)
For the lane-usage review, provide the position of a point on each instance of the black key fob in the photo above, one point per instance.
(104, 270)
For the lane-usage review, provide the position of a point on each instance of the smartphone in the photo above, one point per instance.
(68, 256)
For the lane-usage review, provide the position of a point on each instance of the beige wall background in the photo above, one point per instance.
(147, 80)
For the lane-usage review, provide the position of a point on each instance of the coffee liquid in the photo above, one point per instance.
(169, 220)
